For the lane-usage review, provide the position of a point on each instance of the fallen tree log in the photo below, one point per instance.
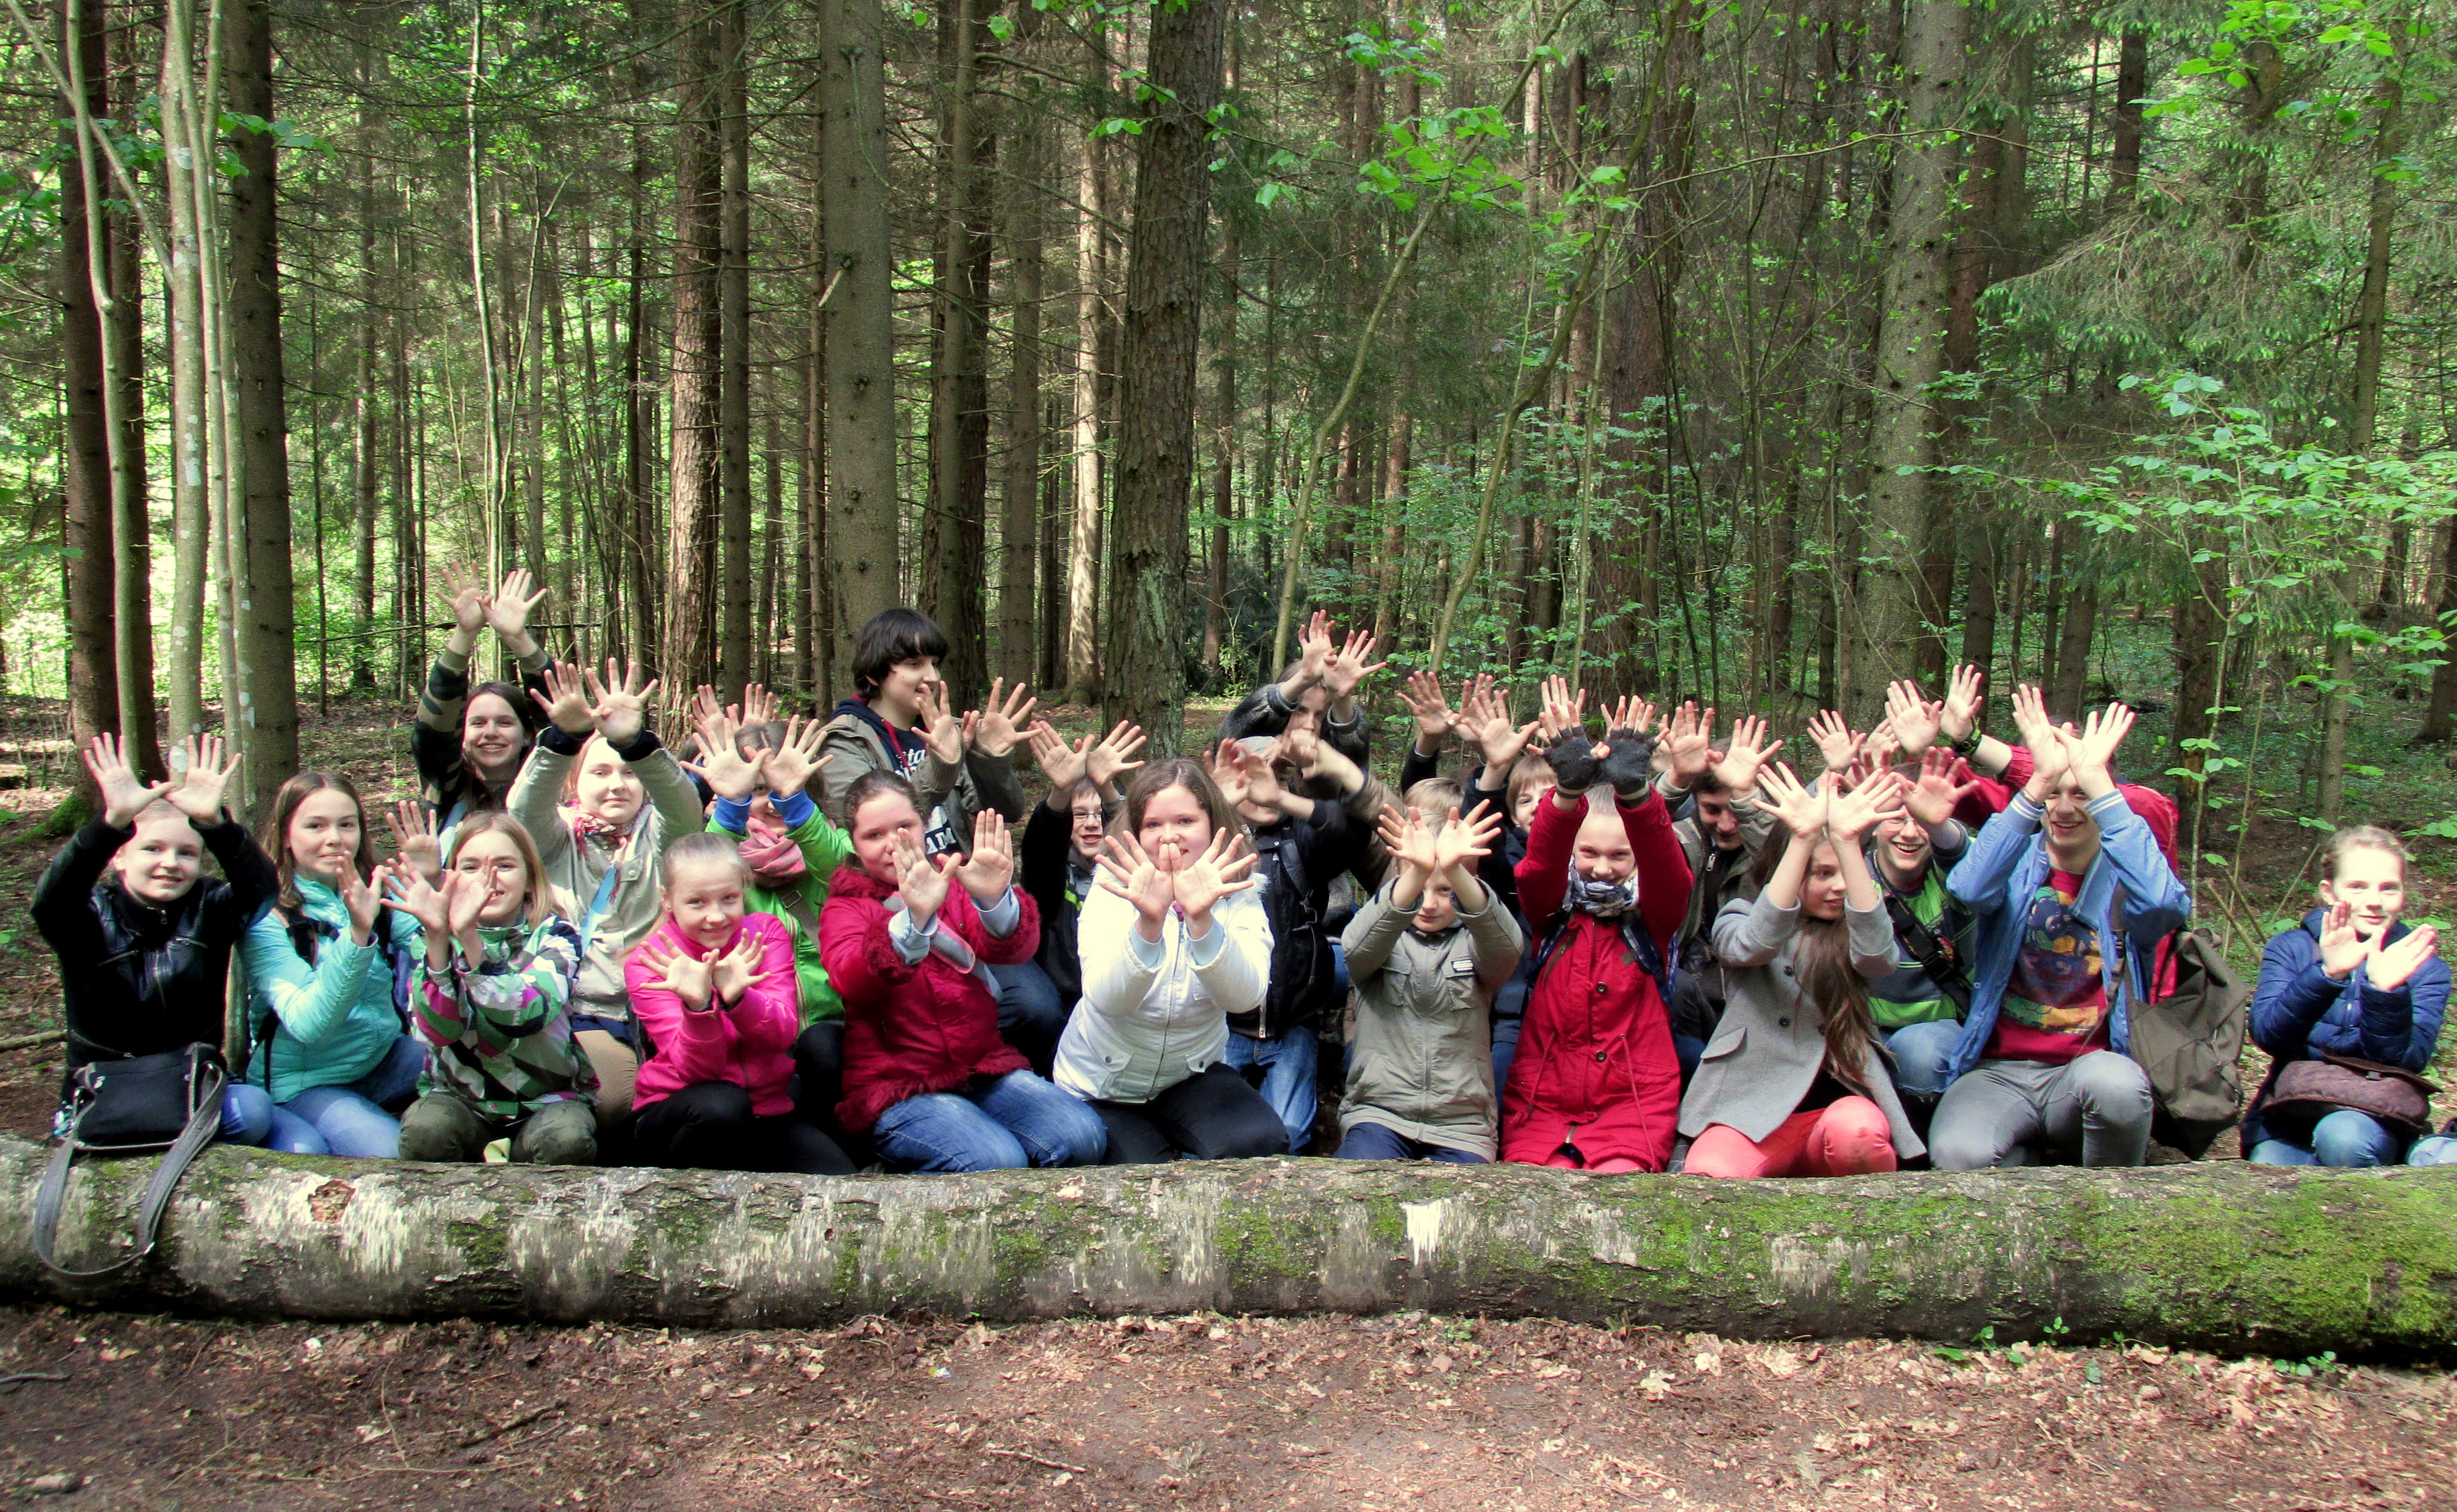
(2225, 1257)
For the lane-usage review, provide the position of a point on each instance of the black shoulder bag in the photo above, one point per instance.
(1933, 952)
(133, 1105)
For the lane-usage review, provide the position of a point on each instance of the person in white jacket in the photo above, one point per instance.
(1173, 940)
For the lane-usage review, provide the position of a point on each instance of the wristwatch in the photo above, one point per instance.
(1968, 746)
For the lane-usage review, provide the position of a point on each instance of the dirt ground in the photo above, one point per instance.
(1202, 1411)
(1195, 1412)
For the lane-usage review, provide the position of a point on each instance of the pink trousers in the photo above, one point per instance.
(1848, 1137)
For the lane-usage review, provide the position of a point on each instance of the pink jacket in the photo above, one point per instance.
(750, 1044)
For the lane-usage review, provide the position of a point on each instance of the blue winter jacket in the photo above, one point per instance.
(2299, 1010)
(2002, 870)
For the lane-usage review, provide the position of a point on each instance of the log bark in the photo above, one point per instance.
(2228, 1258)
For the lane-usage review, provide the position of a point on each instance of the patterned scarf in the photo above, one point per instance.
(587, 827)
(1605, 900)
(771, 854)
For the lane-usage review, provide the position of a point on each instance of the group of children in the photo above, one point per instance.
(813, 947)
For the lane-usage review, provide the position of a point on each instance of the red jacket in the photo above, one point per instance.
(917, 1029)
(1596, 1068)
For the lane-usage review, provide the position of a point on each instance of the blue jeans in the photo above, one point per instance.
(1013, 1122)
(351, 1118)
(1371, 1141)
(249, 1118)
(2342, 1138)
(1923, 1056)
(2433, 1150)
(1030, 1015)
(1287, 1064)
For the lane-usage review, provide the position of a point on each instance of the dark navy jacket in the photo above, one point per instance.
(2298, 1012)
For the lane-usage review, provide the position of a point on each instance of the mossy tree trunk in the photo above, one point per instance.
(2226, 1257)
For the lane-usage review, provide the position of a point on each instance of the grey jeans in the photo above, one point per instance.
(1999, 1112)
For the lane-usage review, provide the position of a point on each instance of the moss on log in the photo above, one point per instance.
(2221, 1257)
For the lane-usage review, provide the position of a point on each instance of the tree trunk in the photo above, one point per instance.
(1224, 459)
(191, 512)
(1084, 541)
(2440, 715)
(2227, 1258)
(955, 531)
(813, 562)
(91, 397)
(1146, 646)
(734, 397)
(861, 352)
(2073, 649)
(267, 627)
(2124, 150)
(1019, 498)
(698, 365)
(365, 438)
(1892, 611)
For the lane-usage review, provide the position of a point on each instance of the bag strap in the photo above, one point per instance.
(1929, 949)
(204, 1123)
(597, 906)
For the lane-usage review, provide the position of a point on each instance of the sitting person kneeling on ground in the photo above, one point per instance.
(1793, 1082)
(1596, 1085)
(2067, 927)
(1426, 954)
(491, 995)
(2351, 980)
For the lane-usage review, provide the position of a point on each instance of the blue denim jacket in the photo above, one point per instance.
(2002, 871)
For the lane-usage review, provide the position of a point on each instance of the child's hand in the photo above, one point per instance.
(990, 869)
(2391, 966)
(1224, 867)
(1963, 702)
(1349, 667)
(1915, 720)
(995, 730)
(1688, 747)
(1463, 841)
(362, 902)
(465, 596)
(1314, 650)
(680, 972)
(940, 730)
(1405, 836)
(1129, 872)
(123, 796)
(736, 972)
(1850, 816)
(920, 881)
(1784, 796)
(758, 706)
(1836, 744)
(1113, 754)
(1424, 698)
(566, 699)
(421, 899)
(721, 764)
(1261, 781)
(464, 895)
(508, 610)
(1945, 779)
(621, 705)
(1229, 772)
(2341, 948)
(1747, 753)
(1061, 763)
(415, 843)
(797, 759)
(199, 795)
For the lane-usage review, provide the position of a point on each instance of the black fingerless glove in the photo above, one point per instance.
(1574, 764)
(1627, 764)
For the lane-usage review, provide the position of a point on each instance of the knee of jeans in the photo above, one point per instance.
(722, 1103)
(2350, 1138)
(1083, 1138)
(2435, 1149)
(247, 1113)
(1923, 1056)
(2114, 1085)
(2278, 1153)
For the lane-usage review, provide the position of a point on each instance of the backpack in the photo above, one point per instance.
(2189, 1042)
(1634, 935)
(1300, 953)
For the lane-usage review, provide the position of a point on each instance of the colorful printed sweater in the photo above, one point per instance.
(500, 1033)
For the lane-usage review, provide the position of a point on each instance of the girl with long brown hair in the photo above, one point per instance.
(1793, 1083)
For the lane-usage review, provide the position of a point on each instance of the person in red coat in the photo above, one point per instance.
(911, 943)
(1596, 1085)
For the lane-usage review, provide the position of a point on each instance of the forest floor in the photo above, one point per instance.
(1195, 1412)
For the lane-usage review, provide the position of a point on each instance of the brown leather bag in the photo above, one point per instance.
(2306, 1091)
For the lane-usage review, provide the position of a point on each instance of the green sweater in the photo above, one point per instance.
(797, 904)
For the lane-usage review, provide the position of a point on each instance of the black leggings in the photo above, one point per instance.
(1212, 1116)
(819, 1086)
(708, 1126)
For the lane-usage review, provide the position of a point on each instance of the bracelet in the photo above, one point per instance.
(1968, 746)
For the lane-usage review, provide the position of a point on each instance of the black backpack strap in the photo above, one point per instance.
(204, 1123)
(1933, 952)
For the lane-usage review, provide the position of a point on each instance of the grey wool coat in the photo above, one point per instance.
(1422, 1064)
(1772, 1043)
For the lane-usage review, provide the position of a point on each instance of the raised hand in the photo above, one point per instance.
(998, 726)
(1349, 667)
(123, 796)
(1113, 754)
(464, 594)
(1405, 836)
(990, 869)
(1261, 780)
(508, 611)
(423, 899)
(1466, 840)
(1963, 702)
(1783, 795)
(1628, 763)
(1301, 746)
(687, 976)
(465, 897)
(1881, 744)
(1915, 720)
(2341, 948)
(1227, 771)
(704, 705)
(920, 881)
(362, 901)
(789, 766)
(1225, 866)
(566, 699)
(2092, 751)
(940, 730)
(1836, 743)
(1498, 741)
(1688, 746)
(621, 705)
(2031, 718)
(2391, 966)
(758, 706)
(1314, 650)
(414, 841)
(1850, 816)
(1747, 752)
(1128, 871)
(199, 793)
(736, 972)
(1945, 779)
(1423, 695)
(1062, 764)
(721, 764)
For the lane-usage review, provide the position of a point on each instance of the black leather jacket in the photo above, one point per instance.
(135, 980)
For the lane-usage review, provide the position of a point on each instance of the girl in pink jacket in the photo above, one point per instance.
(715, 990)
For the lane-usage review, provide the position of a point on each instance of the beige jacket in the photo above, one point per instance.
(1422, 1064)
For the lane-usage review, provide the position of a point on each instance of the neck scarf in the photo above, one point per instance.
(1605, 900)
(588, 827)
(771, 856)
